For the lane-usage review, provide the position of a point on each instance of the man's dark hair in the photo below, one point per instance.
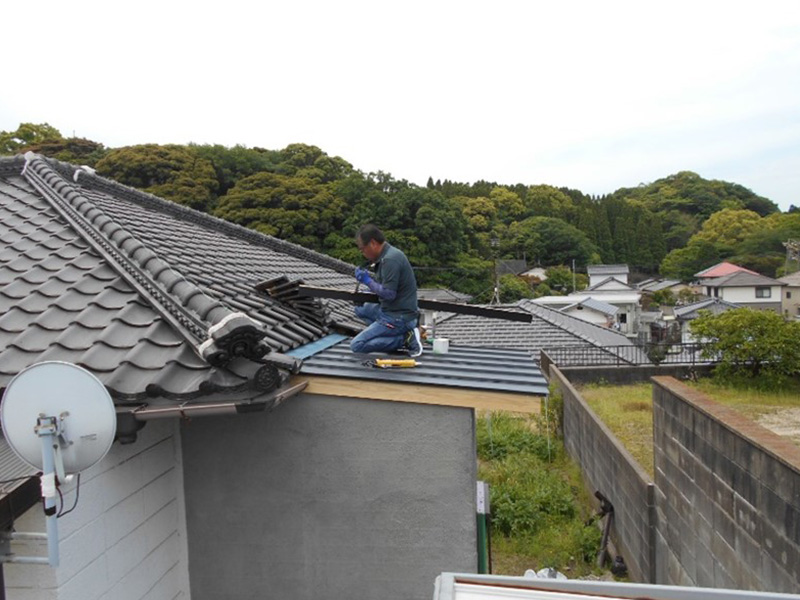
(369, 232)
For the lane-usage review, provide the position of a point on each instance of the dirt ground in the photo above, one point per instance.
(785, 422)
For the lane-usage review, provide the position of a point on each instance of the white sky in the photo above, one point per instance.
(594, 95)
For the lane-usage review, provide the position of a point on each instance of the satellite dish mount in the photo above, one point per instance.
(59, 418)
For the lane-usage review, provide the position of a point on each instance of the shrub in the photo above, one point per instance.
(526, 496)
(751, 344)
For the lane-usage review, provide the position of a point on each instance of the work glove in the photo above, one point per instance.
(362, 275)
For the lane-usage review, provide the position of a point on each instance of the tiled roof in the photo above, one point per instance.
(658, 284)
(714, 305)
(607, 269)
(793, 279)
(594, 304)
(616, 283)
(742, 279)
(442, 295)
(146, 294)
(549, 329)
(721, 269)
(496, 370)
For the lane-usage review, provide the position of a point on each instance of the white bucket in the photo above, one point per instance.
(441, 345)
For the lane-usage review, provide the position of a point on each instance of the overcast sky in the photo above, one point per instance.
(593, 95)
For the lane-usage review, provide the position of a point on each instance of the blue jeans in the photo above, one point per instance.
(384, 334)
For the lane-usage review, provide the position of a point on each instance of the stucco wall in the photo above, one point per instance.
(126, 538)
(330, 497)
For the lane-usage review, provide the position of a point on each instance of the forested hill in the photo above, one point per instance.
(451, 231)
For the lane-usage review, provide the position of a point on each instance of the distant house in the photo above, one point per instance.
(651, 286)
(746, 288)
(687, 313)
(721, 270)
(256, 455)
(599, 273)
(790, 300)
(535, 275)
(594, 311)
(510, 267)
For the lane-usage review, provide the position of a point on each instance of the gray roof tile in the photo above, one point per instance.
(102, 295)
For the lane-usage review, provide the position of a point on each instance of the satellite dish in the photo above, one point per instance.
(87, 420)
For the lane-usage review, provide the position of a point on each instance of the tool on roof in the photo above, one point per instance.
(391, 363)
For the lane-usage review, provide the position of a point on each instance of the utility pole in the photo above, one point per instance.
(574, 289)
(792, 253)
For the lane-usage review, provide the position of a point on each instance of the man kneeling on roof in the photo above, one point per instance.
(392, 322)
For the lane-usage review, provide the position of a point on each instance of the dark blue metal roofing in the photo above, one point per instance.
(496, 370)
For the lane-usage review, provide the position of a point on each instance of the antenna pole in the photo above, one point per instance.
(48, 430)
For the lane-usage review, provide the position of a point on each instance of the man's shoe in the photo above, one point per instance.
(414, 342)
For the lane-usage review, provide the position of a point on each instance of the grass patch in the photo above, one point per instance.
(752, 402)
(627, 410)
(539, 507)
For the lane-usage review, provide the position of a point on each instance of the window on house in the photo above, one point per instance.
(763, 292)
(788, 295)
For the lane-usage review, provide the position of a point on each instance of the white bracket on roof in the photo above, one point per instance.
(82, 169)
(29, 156)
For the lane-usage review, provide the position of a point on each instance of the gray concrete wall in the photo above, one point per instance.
(728, 496)
(609, 468)
(126, 538)
(330, 497)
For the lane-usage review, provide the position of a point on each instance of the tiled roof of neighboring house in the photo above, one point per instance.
(714, 305)
(742, 279)
(607, 269)
(155, 299)
(657, 285)
(721, 269)
(511, 267)
(549, 329)
(506, 370)
(792, 279)
(617, 286)
(594, 304)
(442, 295)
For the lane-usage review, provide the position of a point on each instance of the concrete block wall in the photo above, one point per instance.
(728, 496)
(126, 538)
(609, 468)
(330, 497)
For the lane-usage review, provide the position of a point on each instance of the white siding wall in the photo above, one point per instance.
(747, 295)
(591, 316)
(126, 540)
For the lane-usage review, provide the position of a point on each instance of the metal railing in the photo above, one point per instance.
(643, 354)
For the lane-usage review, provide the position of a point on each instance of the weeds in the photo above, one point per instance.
(539, 509)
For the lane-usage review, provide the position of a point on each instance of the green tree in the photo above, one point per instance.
(729, 227)
(683, 263)
(238, 162)
(548, 241)
(757, 345)
(171, 171)
(77, 151)
(27, 134)
(547, 201)
(508, 204)
(292, 208)
(560, 278)
(512, 288)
